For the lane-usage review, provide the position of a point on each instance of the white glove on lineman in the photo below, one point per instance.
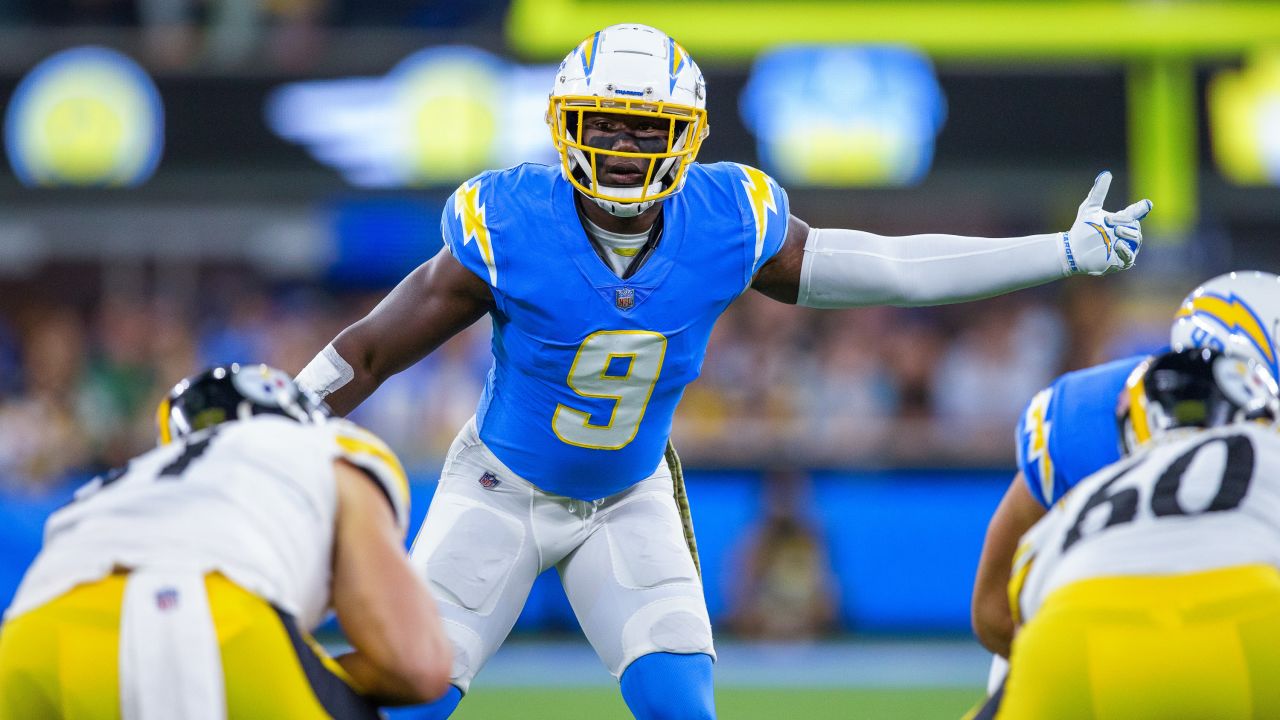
(1099, 242)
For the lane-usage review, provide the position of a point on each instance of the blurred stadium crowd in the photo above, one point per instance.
(781, 386)
(284, 34)
(419, 13)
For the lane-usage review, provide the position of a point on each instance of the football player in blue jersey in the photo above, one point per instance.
(602, 278)
(1068, 430)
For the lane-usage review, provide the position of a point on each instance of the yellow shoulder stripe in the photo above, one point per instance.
(378, 450)
(1022, 561)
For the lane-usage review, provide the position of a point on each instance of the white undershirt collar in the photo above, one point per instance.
(619, 248)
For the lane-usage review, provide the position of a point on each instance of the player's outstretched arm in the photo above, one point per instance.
(402, 655)
(432, 304)
(832, 268)
(990, 614)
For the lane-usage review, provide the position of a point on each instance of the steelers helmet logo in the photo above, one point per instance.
(1243, 384)
(263, 385)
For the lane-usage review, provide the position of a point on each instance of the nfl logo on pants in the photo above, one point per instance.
(167, 599)
(624, 298)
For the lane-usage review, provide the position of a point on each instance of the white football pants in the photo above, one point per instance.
(623, 560)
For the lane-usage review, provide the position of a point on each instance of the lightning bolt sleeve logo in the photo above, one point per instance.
(1037, 428)
(467, 207)
(760, 195)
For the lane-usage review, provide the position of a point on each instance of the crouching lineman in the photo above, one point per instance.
(184, 585)
(1067, 431)
(1152, 589)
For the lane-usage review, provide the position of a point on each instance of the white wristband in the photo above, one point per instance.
(325, 373)
(851, 268)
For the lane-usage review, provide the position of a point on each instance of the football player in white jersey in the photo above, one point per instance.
(1066, 435)
(603, 277)
(1152, 590)
(184, 585)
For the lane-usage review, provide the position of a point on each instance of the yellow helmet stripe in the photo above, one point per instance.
(1137, 390)
(589, 48)
(162, 421)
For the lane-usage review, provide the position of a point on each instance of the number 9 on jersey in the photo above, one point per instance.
(617, 365)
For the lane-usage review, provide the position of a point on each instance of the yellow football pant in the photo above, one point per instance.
(1200, 646)
(62, 660)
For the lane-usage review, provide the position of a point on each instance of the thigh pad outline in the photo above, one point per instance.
(673, 624)
(647, 546)
(475, 556)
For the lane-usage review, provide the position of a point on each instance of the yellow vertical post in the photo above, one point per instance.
(1163, 158)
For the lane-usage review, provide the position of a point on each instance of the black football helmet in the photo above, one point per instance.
(234, 392)
(1192, 388)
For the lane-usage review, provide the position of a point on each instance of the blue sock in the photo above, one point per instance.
(666, 686)
(438, 710)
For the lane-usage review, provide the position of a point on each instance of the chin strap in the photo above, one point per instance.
(627, 209)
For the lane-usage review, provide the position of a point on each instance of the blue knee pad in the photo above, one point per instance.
(666, 686)
(438, 710)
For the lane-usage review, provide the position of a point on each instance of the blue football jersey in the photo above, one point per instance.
(588, 367)
(1068, 431)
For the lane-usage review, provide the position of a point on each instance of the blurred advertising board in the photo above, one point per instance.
(87, 116)
(437, 118)
(844, 115)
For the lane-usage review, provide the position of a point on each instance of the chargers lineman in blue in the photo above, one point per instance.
(1068, 430)
(603, 278)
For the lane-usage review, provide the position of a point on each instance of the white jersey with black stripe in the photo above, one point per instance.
(255, 500)
(1200, 501)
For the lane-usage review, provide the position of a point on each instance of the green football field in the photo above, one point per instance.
(731, 703)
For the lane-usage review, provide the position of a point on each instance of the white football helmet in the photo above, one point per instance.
(1237, 313)
(632, 70)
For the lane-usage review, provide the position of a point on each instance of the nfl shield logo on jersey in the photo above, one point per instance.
(489, 481)
(624, 298)
(167, 599)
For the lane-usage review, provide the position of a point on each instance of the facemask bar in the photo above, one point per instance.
(674, 161)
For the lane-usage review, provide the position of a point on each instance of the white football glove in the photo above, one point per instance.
(1099, 242)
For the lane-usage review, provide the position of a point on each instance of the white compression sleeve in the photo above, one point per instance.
(325, 373)
(851, 268)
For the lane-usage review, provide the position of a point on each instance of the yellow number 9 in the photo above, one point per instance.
(635, 356)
